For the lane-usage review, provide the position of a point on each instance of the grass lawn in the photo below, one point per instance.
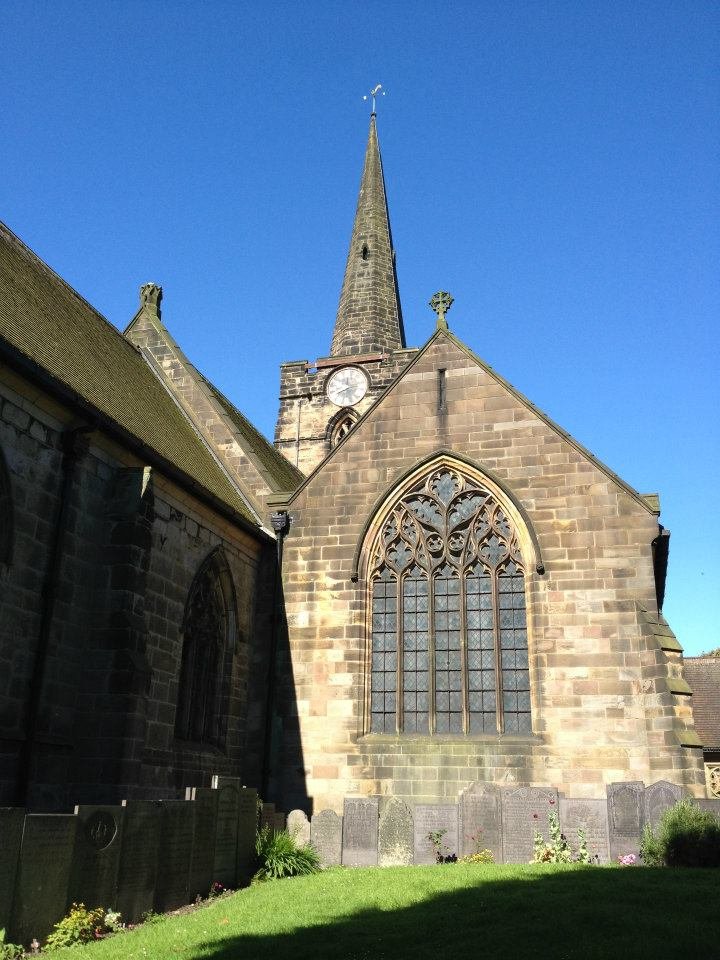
(453, 911)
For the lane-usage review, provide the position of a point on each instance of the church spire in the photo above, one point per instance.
(369, 318)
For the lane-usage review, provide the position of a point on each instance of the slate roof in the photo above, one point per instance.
(703, 675)
(47, 322)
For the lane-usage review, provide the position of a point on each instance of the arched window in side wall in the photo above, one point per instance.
(340, 426)
(209, 636)
(6, 514)
(449, 652)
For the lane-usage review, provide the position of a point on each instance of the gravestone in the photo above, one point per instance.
(659, 797)
(226, 837)
(626, 806)
(267, 816)
(246, 827)
(138, 859)
(11, 828)
(524, 811)
(96, 857)
(177, 824)
(590, 816)
(431, 818)
(713, 806)
(481, 820)
(202, 865)
(43, 875)
(326, 837)
(299, 827)
(278, 821)
(360, 832)
(395, 833)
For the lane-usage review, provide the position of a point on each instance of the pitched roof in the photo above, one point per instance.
(703, 675)
(283, 475)
(45, 321)
(369, 318)
(649, 501)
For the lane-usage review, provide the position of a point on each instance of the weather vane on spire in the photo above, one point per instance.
(375, 92)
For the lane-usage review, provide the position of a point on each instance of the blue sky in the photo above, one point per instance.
(553, 164)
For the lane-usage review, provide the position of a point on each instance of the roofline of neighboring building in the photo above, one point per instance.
(34, 371)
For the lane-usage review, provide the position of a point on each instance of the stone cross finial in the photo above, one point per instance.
(441, 303)
(150, 297)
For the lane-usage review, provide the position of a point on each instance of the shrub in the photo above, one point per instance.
(480, 856)
(81, 926)
(651, 849)
(688, 836)
(9, 951)
(280, 856)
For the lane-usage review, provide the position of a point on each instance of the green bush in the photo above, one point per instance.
(9, 951)
(651, 849)
(690, 837)
(280, 856)
(686, 837)
(81, 926)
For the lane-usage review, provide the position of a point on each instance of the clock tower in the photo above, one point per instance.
(321, 400)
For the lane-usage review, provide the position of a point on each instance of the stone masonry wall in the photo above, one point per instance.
(602, 704)
(132, 546)
(305, 413)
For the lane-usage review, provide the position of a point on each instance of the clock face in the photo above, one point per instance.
(347, 386)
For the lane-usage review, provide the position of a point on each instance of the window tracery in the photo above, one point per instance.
(208, 631)
(449, 634)
(341, 428)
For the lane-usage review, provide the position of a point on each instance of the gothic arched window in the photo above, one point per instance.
(449, 651)
(340, 426)
(208, 640)
(6, 514)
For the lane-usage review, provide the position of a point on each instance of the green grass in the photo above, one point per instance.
(453, 911)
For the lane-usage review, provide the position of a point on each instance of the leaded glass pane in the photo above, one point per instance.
(514, 655)
(384, 655)
(448, 654)
(415, 716)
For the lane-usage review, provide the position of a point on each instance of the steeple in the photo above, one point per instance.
(369, 318)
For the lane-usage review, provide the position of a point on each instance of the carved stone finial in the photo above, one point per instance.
(150, 297)
(441, 303)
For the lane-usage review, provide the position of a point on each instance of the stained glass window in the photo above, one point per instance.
(449, 630)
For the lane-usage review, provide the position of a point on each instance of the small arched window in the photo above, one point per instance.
(342, 428)
(6, 514)
(209, 631)
(449, 651)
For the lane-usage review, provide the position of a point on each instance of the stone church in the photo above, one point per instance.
(423, 584)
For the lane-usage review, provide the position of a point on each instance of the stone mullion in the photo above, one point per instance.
(498, 657)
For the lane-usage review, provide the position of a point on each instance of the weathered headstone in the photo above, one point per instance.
(279, 821)
(138, 859)
(481, 820)
(43, 876)
(360, 832)
(713, 806)
(590, 816)
(202, 865)
(525, 810)
(433, 818)
(326, 837)
(267, 816)
(299, 827)
(659, 797)
(11, 828)
(177, 824)
(626, 807)
(226, 838)
(96, 857)
(246, 827)
(395, 833)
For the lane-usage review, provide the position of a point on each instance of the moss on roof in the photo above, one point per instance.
(46, 321)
